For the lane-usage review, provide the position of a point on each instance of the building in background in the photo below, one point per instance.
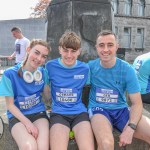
(132, 26)
(31, 28)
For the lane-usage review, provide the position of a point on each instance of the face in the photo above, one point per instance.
(106, 48)
(16, 34)
(69, 56)
(36, 57)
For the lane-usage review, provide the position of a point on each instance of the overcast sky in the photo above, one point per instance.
(16, 9)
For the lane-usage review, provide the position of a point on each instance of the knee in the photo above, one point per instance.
(106, 144)
(29, 145)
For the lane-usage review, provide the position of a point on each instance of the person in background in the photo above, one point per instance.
(22, 86)
(67, 78)
(110, 78)
(21, 45)
(142, 67)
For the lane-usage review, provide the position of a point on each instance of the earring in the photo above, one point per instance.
(29, 77)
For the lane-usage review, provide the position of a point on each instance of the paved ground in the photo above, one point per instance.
(2, 106)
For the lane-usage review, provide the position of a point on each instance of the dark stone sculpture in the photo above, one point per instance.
(85, 17)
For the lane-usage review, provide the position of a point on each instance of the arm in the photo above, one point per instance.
(12, 55)
(18, 114)
(135, 116)
(46, 93)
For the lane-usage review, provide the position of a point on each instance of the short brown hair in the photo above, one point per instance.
(70, 40)
(106, 32)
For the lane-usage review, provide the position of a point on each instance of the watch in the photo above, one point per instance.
(132, 125)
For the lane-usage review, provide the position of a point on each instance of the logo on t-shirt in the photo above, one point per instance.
(79, 76)
(18, 48)
(138, 64)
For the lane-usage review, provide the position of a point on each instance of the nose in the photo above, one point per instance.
(39, 57)
(105, 48)
(69, 53)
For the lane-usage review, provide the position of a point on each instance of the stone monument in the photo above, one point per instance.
(85, 17)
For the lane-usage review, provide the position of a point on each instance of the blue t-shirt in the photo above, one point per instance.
(142, 67)
(108, 85)
(66, 86)
(27, 96)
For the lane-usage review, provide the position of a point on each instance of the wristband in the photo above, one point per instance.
(132, 126)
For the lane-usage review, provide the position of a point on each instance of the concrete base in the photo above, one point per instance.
(8, 143)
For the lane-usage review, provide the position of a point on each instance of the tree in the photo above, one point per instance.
(39, 11)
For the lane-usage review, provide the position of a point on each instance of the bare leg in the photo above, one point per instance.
(84, 135)
(143, 128)
(24, 140)
(43, 137)
(103, 132)
(59, 137)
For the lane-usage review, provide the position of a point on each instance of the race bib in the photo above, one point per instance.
(106, 95)
(28, 102)
(66, 95)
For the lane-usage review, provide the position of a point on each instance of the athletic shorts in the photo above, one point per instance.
(118, 117)
(68, 120)
(31, 117)
(146, 98)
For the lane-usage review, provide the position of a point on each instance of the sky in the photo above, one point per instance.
(16, 9)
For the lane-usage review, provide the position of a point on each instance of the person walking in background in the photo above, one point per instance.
(110, 78)
(67, 78)
(21, 45)
(142, 67)
(22, 86)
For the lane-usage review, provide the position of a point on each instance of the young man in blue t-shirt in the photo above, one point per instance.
(110, 78)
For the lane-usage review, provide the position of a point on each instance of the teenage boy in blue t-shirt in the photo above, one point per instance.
(67, 78)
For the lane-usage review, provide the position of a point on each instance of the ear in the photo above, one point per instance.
(79, 51)
(28, 49)
(59, 48)
(117, 46)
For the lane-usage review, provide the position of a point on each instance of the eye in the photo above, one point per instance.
(110, 45)
(101, 45)
(65, 50)
(37, 52)
(74, 51)
(44, 56)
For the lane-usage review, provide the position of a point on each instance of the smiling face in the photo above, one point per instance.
(68, 56)
(107, 46)
(36, 56)
(69, 48)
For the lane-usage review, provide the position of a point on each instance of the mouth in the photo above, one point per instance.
(36, 63)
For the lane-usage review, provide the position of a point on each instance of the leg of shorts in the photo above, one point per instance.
(58, 118)
(12, 122)
(32, 118)
(36, 116)
(99, 110)
(146, 98)
(79, 118)
(121, 118)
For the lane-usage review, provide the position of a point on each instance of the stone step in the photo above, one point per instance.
(8, 143)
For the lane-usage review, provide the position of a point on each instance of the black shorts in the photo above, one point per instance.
(31, 117)
(68, 120)
(146, 98)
